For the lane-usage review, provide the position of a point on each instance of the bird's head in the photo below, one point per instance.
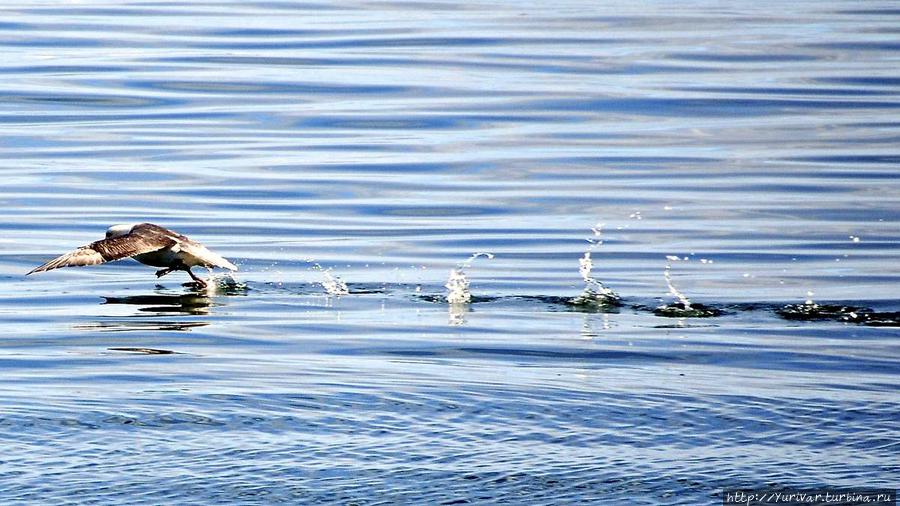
(118, 230)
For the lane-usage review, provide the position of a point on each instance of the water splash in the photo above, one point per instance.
(682, 307)
(811, 310)
(458, 284)
(468, 263)
(333, 284)
(809, 301)
(458, 287)
(667, 274)
(594, 293)
(223, 284)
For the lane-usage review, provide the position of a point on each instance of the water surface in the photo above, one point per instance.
(390, 141)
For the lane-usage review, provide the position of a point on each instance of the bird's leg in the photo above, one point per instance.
(193, 276)
(162, 272)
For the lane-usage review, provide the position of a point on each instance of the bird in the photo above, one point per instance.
(147, 243)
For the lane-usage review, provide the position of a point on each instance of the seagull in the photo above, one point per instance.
(147, 243)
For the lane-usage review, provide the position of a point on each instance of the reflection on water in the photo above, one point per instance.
(198, 302)
(457, 312)
(195, 304)
(137, 325)
(143, 351)
(389, 141)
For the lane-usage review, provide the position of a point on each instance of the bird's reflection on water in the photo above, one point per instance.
(199, 302)
(189, 303)
(130, 325)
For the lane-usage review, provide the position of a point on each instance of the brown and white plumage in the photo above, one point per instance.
(147, 243)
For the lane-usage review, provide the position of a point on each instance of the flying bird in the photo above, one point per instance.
(147, 243)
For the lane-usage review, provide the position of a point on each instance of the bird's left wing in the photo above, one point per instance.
(108, 250)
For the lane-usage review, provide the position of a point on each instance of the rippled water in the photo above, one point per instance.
(383, 144)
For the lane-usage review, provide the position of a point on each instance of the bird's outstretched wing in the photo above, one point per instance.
(108, 250)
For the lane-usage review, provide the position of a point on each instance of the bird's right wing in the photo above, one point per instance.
(108, 250)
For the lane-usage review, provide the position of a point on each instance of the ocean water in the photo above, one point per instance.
(744, 157)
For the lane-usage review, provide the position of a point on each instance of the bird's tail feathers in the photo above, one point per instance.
(219, 261)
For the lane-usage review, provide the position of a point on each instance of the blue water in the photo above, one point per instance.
(387, 143)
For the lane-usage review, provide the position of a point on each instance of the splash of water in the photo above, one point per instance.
(594, 291)
(811, 310)
(333, 284)
(667, 274)
(468, 263)
(683, 307)
(593, 288)
(809, 300)
(458, 284)
(222, 283)
(458, 287)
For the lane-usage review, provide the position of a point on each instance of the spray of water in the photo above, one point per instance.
(594, 290)
(458, 287)
(458, 284)
(468, 263)
(332, 283)
(809, 300)
(667, 274)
